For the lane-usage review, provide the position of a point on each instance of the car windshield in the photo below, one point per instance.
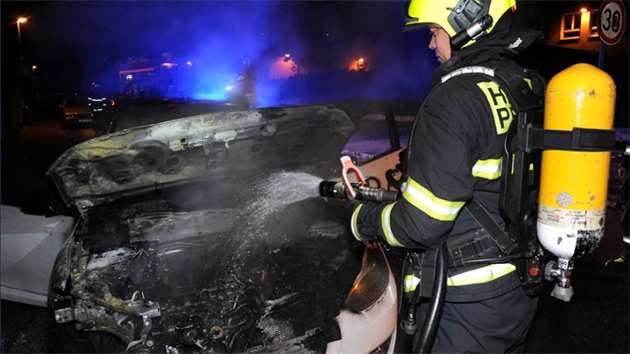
(72, 102)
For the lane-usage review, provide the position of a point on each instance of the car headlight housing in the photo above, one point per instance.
(371, 281)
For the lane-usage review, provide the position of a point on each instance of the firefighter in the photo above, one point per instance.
(100, 107)
(621, 263)
(455, 156)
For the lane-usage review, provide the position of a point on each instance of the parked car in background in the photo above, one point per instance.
(75, 113)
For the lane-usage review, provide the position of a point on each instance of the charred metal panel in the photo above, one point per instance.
(178, 226)
(207, 146)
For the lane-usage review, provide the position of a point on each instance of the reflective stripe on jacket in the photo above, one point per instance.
(477, 276)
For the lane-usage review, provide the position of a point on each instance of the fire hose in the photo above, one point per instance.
(361, 191)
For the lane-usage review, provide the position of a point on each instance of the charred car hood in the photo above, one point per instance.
(201, 147)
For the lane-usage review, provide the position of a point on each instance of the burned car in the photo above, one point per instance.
(208, 234)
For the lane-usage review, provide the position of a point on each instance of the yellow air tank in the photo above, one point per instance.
(574, 184)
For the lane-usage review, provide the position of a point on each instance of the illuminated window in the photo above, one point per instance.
(594, 23)
(571, 26)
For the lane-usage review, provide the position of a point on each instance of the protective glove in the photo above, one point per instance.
(353, 210)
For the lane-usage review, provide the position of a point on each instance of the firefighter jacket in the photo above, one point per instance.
(455, 154)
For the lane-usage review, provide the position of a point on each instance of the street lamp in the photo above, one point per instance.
(361, 64)
(20, 20)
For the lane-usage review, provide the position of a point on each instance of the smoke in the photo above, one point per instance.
(214, 41)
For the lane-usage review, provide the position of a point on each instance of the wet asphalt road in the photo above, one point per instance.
(595, 321)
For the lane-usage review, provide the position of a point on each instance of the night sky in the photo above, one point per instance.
(74, 43)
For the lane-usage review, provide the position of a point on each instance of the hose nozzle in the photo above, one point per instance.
(332, 190)
(338, 190)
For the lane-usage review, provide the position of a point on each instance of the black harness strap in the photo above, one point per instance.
(579, 139)
(505, 243)
(477, 248)
(493, 237)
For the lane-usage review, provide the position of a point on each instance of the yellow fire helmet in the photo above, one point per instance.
(457, 16)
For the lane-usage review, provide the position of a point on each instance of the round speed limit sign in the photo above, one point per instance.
(612, 21)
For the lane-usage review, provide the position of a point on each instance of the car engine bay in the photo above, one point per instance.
(166, 276)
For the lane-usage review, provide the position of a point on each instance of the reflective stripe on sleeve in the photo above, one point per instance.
(354, 221)
(482, 275)
(387, 227)
(488, 169)
(411, 283)
(431, 205)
